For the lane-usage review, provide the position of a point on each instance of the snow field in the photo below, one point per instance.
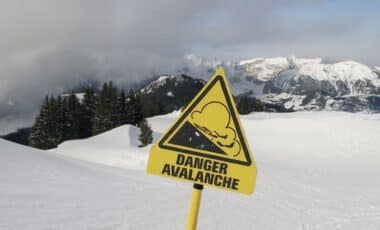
(316, 170)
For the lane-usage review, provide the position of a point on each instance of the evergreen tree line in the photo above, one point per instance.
(246, 104)
(66, 117)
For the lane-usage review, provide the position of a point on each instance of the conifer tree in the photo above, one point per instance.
(60, 118)
(44, 133)
(152, 106)
(38, 135)
(88, 110)
(113, 106)
(64, 121)
(106, 111)
(134, 108)
(145, 136)
(121, 109)
(246, 104)
(100, 114)
(52, 123)
(73, 114)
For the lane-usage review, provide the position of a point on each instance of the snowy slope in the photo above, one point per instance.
(118, 147)
(317, 170)
(39, 190)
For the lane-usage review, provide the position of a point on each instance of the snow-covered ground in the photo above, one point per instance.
(317, 170)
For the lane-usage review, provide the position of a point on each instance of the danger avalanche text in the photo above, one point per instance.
(200, 170)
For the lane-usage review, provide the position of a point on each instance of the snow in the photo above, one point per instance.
(161, 80)
(80, 96)
(121, 146)
(292, 101)
(265, 68)
(40, 190)
(347, 71)
(317, 170)
(273, 61)
(248, 75)
(170, 94)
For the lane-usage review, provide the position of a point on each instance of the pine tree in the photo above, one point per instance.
(64, 120)
(152, 106)
(246, 104)
(100, 115)
(121, 109)
(38, 136)
(134, 108)
(88, 110)
(145, 136)
(73, 115)
(243, 105)
(52, 123)
(129, 106)
(113, 106)
(106, 111)
(44, 134)
(60, 118)
(138, 110)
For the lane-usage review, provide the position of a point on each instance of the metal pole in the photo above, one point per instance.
(194, 207)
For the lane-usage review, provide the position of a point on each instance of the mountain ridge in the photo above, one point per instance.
(299, 83)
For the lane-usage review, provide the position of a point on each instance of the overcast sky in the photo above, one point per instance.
(46, 45)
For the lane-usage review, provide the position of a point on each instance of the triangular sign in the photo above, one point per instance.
(209, 126)
(207, 144)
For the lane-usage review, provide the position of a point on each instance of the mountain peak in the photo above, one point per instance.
(301, 83)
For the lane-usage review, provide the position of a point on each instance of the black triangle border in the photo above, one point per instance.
(248, 161)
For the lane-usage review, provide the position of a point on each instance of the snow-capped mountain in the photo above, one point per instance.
(171, 91)
(176, 90)
(299, 83)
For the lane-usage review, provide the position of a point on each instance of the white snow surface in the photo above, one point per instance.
(316, 170)
(118, 147)
(170, 94)
(80, 96)
(347, 71)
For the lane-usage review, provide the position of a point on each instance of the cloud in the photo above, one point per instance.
(49, 45)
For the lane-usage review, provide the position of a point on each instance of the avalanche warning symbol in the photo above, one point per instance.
(209, 126)
(207, 138)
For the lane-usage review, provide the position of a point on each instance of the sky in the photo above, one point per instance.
(47, 45)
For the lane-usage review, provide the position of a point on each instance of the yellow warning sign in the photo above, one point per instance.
(207, 144)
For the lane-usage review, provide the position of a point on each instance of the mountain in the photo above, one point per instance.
(171, 91)
(272, 84)
(176, 90)
(299, 83)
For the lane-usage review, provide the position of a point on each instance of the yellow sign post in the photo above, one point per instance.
(206, 145)
(194, 207)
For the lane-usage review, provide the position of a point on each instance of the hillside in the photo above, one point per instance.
(316, 171)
